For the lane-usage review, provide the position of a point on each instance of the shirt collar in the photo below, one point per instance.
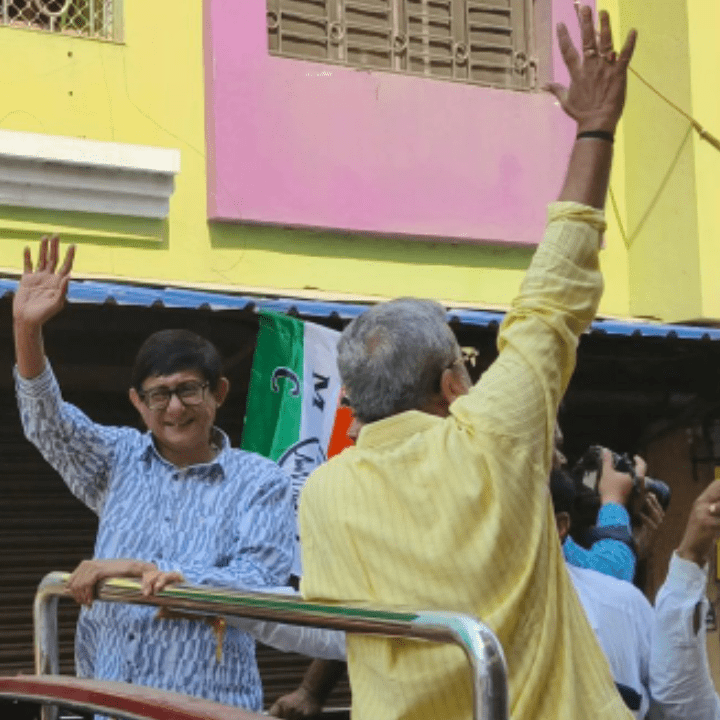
(216, 465)
(396, 427)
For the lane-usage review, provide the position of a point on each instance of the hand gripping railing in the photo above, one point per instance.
(484, 652)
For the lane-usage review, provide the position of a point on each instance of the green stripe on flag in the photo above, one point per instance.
(274, 405)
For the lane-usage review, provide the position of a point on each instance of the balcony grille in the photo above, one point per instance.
(86, 18)
(486, 42)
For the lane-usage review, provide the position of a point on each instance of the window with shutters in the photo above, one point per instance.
(87, 18)
(487, 42)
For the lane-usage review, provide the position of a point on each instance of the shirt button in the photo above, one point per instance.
(131, 636)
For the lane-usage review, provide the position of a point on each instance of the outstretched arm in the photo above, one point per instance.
(561, 290)
(39, 297)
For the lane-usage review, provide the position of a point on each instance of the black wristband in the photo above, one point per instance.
(598, 134)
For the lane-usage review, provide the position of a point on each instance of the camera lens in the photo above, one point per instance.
(660, 490)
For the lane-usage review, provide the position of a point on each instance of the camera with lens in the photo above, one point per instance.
(588, 471)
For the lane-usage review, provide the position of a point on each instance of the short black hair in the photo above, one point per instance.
(562, 489)
(169, 351)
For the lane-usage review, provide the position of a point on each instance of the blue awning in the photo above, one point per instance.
(95, 292)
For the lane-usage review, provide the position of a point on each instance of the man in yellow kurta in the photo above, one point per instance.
(444, 502)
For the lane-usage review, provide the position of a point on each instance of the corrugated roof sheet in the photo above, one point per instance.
(95, 292)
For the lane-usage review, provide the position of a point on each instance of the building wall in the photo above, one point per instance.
(147, 91)
(703, 17)
(151, 90)
(669, 177)
(296, 143)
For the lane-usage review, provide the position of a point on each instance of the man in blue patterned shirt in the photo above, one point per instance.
(176, 503)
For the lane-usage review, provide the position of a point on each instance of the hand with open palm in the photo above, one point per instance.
(598, 78)
(41, 292)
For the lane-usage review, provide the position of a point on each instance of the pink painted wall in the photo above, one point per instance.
(308, 144)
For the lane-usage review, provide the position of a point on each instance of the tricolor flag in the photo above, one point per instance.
(293, 414)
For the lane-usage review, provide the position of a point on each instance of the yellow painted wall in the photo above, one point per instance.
(150, 91)
(668, 226)
(147, 91)
(703, 22)
(666, 180)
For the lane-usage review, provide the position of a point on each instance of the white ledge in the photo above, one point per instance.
(64, 173)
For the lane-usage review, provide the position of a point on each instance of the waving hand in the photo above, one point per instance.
(598, 80)
(42, 290)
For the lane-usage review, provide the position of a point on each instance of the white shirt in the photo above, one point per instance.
(313, 642)
(679, 669)
(622, 619)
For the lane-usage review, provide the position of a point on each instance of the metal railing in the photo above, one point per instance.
(483, 650)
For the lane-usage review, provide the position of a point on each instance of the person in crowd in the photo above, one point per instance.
(443, 502)
(615, 546)
(174, 503)
(613, 554)
(619, 614)
(679, 670)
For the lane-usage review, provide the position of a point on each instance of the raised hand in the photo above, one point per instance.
(614, 486)
(41, 292)
(598, 80)
(703, 526)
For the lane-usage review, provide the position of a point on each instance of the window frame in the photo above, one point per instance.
(115, 34)
(327, 31)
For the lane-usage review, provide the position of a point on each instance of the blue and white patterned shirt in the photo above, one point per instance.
(228, 522)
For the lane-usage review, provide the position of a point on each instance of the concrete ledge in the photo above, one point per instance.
(63, 173)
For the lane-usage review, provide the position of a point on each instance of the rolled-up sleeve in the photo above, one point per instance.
(518, 396)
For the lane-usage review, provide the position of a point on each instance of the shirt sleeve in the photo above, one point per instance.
(314, 642)
(610, 557)
(518, 396)
(680, 679)
(80, 450)
(265, 537)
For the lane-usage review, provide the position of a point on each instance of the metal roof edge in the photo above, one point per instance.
(99, 292)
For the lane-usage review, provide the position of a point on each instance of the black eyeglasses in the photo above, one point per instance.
(189, 393)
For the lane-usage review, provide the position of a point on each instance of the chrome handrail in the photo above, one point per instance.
(483, 650)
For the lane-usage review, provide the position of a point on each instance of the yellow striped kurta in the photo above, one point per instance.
(454, 514)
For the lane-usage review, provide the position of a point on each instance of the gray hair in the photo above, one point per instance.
(392, 356)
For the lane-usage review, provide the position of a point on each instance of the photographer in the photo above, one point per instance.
(612, 554)
(619, 614)
(616, 514)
